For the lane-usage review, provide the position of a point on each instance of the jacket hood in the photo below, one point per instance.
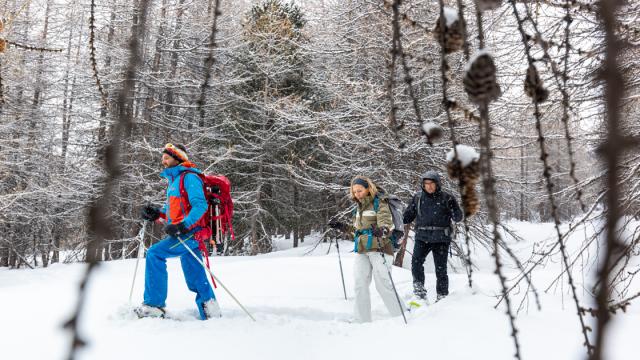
(433, 176)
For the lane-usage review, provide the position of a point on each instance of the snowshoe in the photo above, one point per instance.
(417, 302)
(144, 311)
(440, 297)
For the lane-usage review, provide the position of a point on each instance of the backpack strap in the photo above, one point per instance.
(356, 237)
(184, 196)
(376, 203)
(183, 193)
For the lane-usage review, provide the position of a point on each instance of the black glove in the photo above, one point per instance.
(338, 225)
(175, 230)
(379, 231)
(150, 213)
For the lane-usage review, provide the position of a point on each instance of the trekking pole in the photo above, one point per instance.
(219, 241)
(211, 241)
(213, 276)
(384, 261)
(344, 288)
(140, 252)
(218, 225)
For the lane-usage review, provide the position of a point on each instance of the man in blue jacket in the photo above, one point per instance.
(182, 220)
(433, 210)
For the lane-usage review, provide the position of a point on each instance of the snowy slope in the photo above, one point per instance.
(298, 302)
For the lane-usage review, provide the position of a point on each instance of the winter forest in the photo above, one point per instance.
(528, 110)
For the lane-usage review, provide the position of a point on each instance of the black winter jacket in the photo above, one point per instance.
(437, 210)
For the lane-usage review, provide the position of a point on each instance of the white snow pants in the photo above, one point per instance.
(365, 265)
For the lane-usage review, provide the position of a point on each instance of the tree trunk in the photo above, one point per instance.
(13, 258)
(300, 231)
(174, 61)
(55, 256)
(38, 90)
(35, 251)
(157, 60)
(523, 189)
(399, 260)
(255, 246)
(296, 200)
(67, 103)
(104, 111)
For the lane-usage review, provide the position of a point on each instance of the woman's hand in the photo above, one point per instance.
(379, 231)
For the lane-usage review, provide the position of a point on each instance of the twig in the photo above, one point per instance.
(1, 88)
(18, 254)
(490, 196)
(547, 176)
(612, 309)
(454, 142)
(92, 54)
(209, 61)
(32, 48)
(612, 150)
(393, 108)
(561, 79)
(99, 226)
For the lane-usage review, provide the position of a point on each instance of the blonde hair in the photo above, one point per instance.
(373, 189)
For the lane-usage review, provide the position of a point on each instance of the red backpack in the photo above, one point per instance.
(217, 191)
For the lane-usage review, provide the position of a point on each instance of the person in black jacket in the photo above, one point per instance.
(433, 210)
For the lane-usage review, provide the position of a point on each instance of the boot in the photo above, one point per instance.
(419, 291)
(211, 309)
(440, 297)
(145, 310)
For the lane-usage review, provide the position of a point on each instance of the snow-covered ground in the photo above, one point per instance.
(301, 313)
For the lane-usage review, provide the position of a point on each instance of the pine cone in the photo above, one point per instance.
(480, 80)
(470, 201)
(533, 86)
(433, 131)
(488, 4)
(468, 176)
(454, 169)
(453, 37)
(471, 172)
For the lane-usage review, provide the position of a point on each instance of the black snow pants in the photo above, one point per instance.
(440, 251)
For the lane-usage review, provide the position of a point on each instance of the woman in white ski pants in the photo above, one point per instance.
(372, 225)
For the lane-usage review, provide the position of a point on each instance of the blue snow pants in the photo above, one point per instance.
(155, 277)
